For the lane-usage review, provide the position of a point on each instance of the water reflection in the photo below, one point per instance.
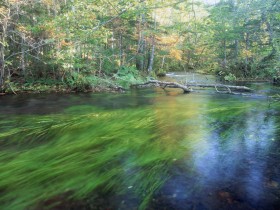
(230, 167)
(56, 103)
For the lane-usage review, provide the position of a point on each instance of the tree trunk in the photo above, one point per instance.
(140, 56)
(121, 50)
(152, 55)
(224, 63)
(23, 55)
(54, 7)
(163, 61)
(140, 49)
(246, 48)
(3, 41)
(270, 35)
(236, 50)
(2, 64)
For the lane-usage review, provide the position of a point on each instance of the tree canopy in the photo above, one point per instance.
(85, 43)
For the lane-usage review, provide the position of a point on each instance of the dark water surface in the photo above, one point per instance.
(145, 149)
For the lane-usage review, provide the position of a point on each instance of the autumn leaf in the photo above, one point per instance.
(177, 54)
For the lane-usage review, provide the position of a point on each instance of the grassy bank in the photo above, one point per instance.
(76, 82)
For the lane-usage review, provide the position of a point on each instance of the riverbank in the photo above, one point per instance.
(99, 85)
(82, 84)
(42, 88)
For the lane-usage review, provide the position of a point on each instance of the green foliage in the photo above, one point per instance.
(230, 77)
(160, 72)
(11, 87)
(56, 39)
(127, 76)
(79, 82)
(243, 37)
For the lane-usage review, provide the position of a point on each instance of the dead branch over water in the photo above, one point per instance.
(187, 88)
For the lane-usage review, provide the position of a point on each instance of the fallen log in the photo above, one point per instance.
(244, 88)
(187, 87)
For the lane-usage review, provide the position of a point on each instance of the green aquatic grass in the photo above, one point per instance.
(78, 153)
(127, 152)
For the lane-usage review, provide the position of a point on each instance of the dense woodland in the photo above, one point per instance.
(82, 44)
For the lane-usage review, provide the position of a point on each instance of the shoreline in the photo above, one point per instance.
(37, 88)
(61, 89)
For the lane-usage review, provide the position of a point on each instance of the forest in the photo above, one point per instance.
(82, 45)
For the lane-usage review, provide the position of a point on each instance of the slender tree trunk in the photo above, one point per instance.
(112, 42)
(100, 65)
(163, 61)
(246, 48)
(140, 52)
(195, 26)
(49, 10)
(121, 50)
(2, 58)
(225, 53)
(54, 7)
(270, 34)
(269, 29)
(236, 50)
(3, 41)
(152, 55)
(2, 64)
(23, 55)
(140, 56)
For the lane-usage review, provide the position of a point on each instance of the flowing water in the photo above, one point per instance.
(144, 149)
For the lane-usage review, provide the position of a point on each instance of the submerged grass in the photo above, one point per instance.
(84, 149)
(78, 153)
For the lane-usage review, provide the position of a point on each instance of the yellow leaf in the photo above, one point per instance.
(177, 54)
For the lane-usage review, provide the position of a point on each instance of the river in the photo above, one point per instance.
(143, 149)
